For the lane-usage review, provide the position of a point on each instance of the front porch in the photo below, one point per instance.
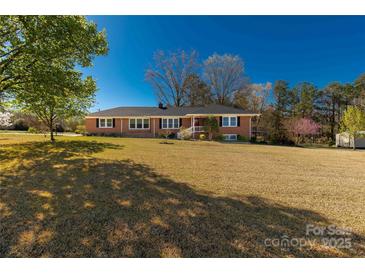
(196, 126)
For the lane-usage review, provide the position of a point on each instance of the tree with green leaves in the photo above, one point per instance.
(65, 95)
(281, 110)
(211, 126)
(350, 95)
(304, 100)
(29, 43)
(332, 106)
(353, 121)
(38, 59)
(359, 91)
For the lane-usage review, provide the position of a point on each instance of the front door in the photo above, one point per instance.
(199, 122)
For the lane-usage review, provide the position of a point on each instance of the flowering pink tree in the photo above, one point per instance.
(303, 127)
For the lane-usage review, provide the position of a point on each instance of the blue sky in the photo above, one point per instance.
(317, 49)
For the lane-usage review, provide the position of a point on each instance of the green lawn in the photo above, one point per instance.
(119, 197)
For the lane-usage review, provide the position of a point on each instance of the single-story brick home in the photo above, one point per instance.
(157, 121)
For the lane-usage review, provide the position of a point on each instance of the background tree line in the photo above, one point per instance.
(179, 79)
(325, 107)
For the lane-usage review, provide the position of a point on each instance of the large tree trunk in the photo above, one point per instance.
(51, 130)
(52, 137)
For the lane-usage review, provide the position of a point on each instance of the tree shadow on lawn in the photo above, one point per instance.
(61, 202)
(47, 151)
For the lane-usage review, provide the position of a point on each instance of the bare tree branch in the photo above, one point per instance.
(225, 76)
(169, 76)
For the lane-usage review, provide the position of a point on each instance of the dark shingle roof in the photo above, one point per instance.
(170, 111)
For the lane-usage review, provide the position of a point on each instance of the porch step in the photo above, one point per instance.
(189, 131)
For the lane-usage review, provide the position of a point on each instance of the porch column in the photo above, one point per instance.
(193, 127)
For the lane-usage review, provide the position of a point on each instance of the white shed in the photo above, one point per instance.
(345, 140)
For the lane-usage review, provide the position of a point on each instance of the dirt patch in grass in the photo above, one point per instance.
(87, 198)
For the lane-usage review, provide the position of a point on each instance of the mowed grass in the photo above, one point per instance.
(120, 197)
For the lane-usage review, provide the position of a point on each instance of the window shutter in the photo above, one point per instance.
(238, 121)
(220, 121)
(113, 122)
(160, 123)
(97, 122)
(180, 122)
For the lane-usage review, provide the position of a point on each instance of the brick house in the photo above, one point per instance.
(155, 121)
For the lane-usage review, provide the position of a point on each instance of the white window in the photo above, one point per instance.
(230, 137)
(225, 121)
(170, 123)
(146, 123)
(106, 123)
(176, 123)
(229, 121)
(139, 123)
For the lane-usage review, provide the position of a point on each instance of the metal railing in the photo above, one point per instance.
(198, 129)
